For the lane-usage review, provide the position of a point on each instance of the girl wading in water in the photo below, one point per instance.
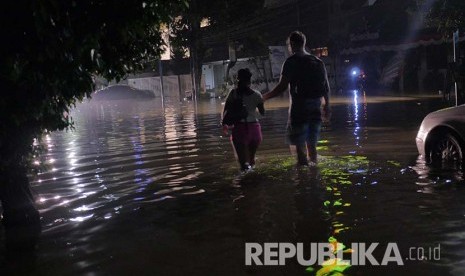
(240, 115)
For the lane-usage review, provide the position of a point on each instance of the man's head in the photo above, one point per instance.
(296, 41)
(244, 75)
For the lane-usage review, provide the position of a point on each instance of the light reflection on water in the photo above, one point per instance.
(143, 184)
(357, 114)
(119, 149)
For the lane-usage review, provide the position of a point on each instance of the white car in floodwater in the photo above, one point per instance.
(441, 137)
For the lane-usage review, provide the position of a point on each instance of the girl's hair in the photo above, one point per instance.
(243, 76)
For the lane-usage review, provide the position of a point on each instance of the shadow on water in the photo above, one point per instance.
(145, 187)
(283, 203)
(280, 203)
(436, 178)
(20, 249)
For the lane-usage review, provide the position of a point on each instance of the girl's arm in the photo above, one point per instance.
(261, 108)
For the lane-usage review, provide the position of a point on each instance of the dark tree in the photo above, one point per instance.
(447, 16)
(50, 52)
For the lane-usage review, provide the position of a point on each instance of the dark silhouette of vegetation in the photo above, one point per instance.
(447, 16)
(51, 52)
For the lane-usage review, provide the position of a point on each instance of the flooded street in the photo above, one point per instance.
(152, 188)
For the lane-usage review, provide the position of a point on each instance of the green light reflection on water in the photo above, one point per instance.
(335, 173)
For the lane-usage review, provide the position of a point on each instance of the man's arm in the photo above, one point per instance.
(280, 88)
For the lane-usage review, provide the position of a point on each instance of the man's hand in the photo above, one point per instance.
(266, 96)
(225, 130)
(326, 114)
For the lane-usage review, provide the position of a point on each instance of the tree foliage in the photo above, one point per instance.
(51, 51)
(447, 16)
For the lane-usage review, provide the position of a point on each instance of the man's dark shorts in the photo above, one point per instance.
(299, 134)
(305, 122)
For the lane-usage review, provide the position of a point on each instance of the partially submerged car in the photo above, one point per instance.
(441, 138)
(121, 92)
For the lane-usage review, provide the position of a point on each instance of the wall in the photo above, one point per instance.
(173, 86)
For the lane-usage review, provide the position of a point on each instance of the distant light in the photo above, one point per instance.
(205, 22)
(354, 71)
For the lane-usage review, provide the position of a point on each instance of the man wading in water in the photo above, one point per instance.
(309, 88)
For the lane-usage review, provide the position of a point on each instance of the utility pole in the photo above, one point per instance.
(298, 13)
(194, 25)
(160, 69)
(455, 41)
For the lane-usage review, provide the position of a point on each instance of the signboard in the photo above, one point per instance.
(364, 36)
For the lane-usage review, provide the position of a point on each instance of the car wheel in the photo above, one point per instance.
(446, 152)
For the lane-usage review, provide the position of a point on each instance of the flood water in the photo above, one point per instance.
(152, 188)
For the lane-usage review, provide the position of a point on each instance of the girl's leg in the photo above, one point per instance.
(241, 153)
(257, 138)
(252, 150)
(239, 142)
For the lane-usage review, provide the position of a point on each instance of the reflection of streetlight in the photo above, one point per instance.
(356, 112)
(357, 126)
(138, 147)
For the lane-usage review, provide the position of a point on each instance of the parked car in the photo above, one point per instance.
(441, 138)
(121, 92)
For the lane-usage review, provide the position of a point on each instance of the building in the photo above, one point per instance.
(387, 39)
(390, 40)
